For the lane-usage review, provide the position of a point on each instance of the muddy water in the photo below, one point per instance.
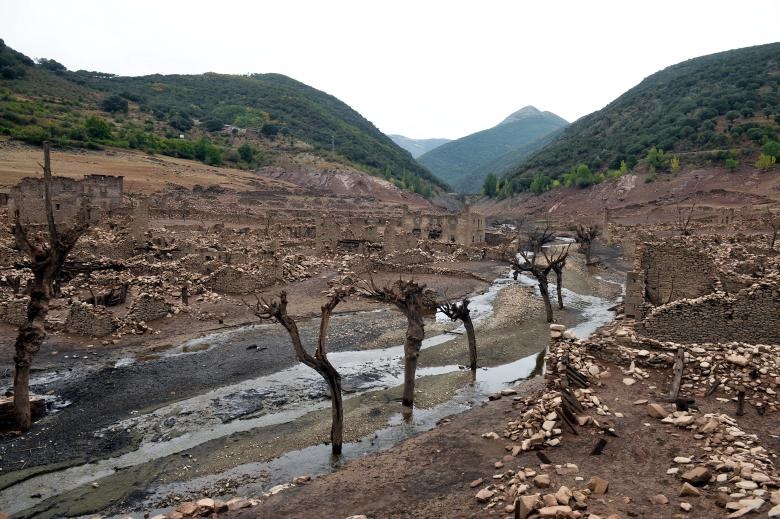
(286, 397)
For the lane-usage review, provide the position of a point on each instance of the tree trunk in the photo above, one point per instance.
(333, 379)
(587, 254)
(469, 326)
(415, 333)
(559, 287)
(28, 343)
(545, 291)
(411, 354)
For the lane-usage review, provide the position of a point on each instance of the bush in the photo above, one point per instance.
(269, 130)
(181, 122)
(114, 104)
(732, 164)
(765, 162)
(97, 128)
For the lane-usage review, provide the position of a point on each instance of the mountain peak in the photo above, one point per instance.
(523, 113)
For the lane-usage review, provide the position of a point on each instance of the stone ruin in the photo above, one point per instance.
(91, 321)
(705, 290)
(105, 194)
(148, 307)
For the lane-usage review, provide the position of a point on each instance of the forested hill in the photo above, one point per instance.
(720, 107)
(463, 163)
(43, 100)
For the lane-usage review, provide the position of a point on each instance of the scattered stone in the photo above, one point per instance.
(484, 495)
(697, 476)
(656, 411)
(476, 483)
(598, 485)
(542, 481)
(659, 499)
(688, 490)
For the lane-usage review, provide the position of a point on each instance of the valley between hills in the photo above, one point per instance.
(269, 308)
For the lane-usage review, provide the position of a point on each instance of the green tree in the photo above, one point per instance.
(540, 183)
(656, 158)
(114, 104)
(97, 128)
(674, 164)
(52, 65)
(269, 130)
(624, 167)
(772, 148)
(490, 185)
(732, 164)
(732, 115)
(765, 162)
(247, 153)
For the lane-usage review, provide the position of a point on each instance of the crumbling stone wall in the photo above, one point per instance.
(92, 321)
(234, 280)
(14, 311)
(104, 193)
(751, 315)
(148, 307)
(676, 269)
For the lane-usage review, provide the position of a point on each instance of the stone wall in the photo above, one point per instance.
(104, 193)
(92, 321)
(676, 269)
(148, 307)
(751, 315)
(14, 311)
(233, 280)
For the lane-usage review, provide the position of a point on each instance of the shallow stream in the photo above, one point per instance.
(286, 396)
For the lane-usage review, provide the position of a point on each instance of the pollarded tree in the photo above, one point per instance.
(557, 267)
(277, 310)
(459, 311)
(47, 255)
(586, 234)
(414, 302)
(540, 270)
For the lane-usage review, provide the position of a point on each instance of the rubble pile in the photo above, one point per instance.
(723, 367)
(527, 493)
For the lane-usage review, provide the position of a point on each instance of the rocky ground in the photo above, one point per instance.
(512, 457)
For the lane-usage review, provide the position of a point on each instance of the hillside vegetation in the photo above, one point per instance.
(719, 109)
(218, 119)
(464, 163)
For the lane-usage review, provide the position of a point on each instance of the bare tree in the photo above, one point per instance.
(459, 311)
(684, 219)
(586, 234)
(414, 302)
(540, 271)
(277, 310)
(47, 255)
(557, 266)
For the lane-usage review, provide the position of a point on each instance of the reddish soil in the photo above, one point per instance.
(631, 200)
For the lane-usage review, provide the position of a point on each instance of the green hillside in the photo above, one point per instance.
(723, 108)
(463, 163)
(84, 108)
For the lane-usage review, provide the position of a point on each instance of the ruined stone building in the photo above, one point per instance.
(465, 228)
(705, 290)
(104, 192)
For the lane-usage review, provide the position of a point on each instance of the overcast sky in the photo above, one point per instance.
(419, 68)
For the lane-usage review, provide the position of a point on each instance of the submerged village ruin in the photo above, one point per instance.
(162, 364)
